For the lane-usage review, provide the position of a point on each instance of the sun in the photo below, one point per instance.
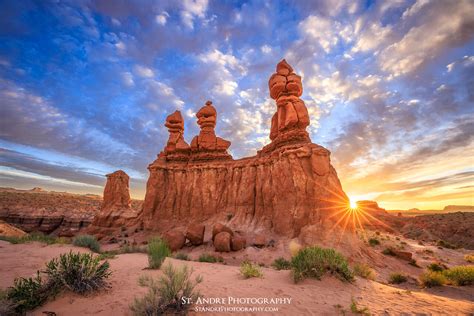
(352, 203)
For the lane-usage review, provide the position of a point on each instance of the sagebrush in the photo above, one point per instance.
(250, 270)
(281, 264)
(165, 295)
(158, 250)
(314, 262)
(87, 241)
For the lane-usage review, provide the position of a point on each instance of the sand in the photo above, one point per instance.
(310, 297)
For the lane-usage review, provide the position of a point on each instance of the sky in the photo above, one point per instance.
(85, 87)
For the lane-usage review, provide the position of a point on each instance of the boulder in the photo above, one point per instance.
(175, 239)
(220, 228)
(222, 242)
(260, 240)
(195, 234)
(238, 242)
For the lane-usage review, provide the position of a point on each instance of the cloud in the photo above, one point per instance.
(143, 71)
(162, 18)
(193, 9)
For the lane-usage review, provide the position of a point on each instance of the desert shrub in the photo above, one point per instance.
(294, 247)
(158, 250)
(7, 306)
(388, 252)
(78, 272)
(445, 244)
(165, 295)
(250, 270)
(205, 257)
(364, 271)
(87, 241)
(34, 236)
(374, 242)
(356, 310)
(127, 248)
(469, 258)
(413, 262)
(281, 264)
(460, 275)
(432, 278)
(29, 293)
(314, 262)
(436, 267)
(181, 256)
(397, 278)
(104, 255)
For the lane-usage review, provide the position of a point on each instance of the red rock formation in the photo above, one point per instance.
(222, 242)
(207, 145)
(290, 184)
(116, 208)
(175, 239)
(116, 192)
(176, 147)
(195, 234)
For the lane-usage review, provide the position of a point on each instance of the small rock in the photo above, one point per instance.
(175, 239)
(195, 234)
(260, 241)
(238, 243)
(220, 228)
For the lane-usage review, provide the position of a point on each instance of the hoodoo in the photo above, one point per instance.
(288, 185)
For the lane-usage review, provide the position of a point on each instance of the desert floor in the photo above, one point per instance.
(326, 297)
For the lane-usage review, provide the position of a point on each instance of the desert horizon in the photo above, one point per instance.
(212, 157)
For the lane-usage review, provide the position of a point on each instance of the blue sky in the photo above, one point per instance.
(85, 87)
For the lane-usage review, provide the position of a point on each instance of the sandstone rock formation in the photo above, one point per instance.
(116, 208)
(116, 192)
(238, 242)
(58, 213)
(207, 145)
(288, 185)
(176, 147)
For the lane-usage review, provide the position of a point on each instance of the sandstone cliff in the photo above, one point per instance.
(288, 185)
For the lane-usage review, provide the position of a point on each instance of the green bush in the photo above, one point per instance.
(314, 262)
(397, 278)
(165, 295)
(389, 252)
(29, 293)
(374, 242)
(87, 241)
(181, 256)
(432, 278)
(364, 271)
(356, 310)
(78, 272)
(436, 267)
(249, 270)
(281, 264)
(205, 257)
(460, 275)
(157, 252)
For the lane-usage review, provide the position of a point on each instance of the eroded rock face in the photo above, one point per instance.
(116, 208)
(117, 192)
(288, 185)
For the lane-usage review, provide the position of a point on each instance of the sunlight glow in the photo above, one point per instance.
(352, 203)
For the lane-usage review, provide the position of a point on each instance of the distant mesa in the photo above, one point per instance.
(37, 189)
(368, 205)
(458, 208)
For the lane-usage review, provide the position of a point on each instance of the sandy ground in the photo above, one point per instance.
(310, 297)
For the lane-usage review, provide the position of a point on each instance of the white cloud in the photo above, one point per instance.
(162, 18)
(191, 10)
(127, 79)
(321, 29)
(266, 49)
(143, 71)
(226, 87)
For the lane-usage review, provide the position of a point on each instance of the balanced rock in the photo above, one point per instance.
(222, 242)
(175, 239)
(220, 228)
(176, 147)
(195, 234)
(238, 242)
